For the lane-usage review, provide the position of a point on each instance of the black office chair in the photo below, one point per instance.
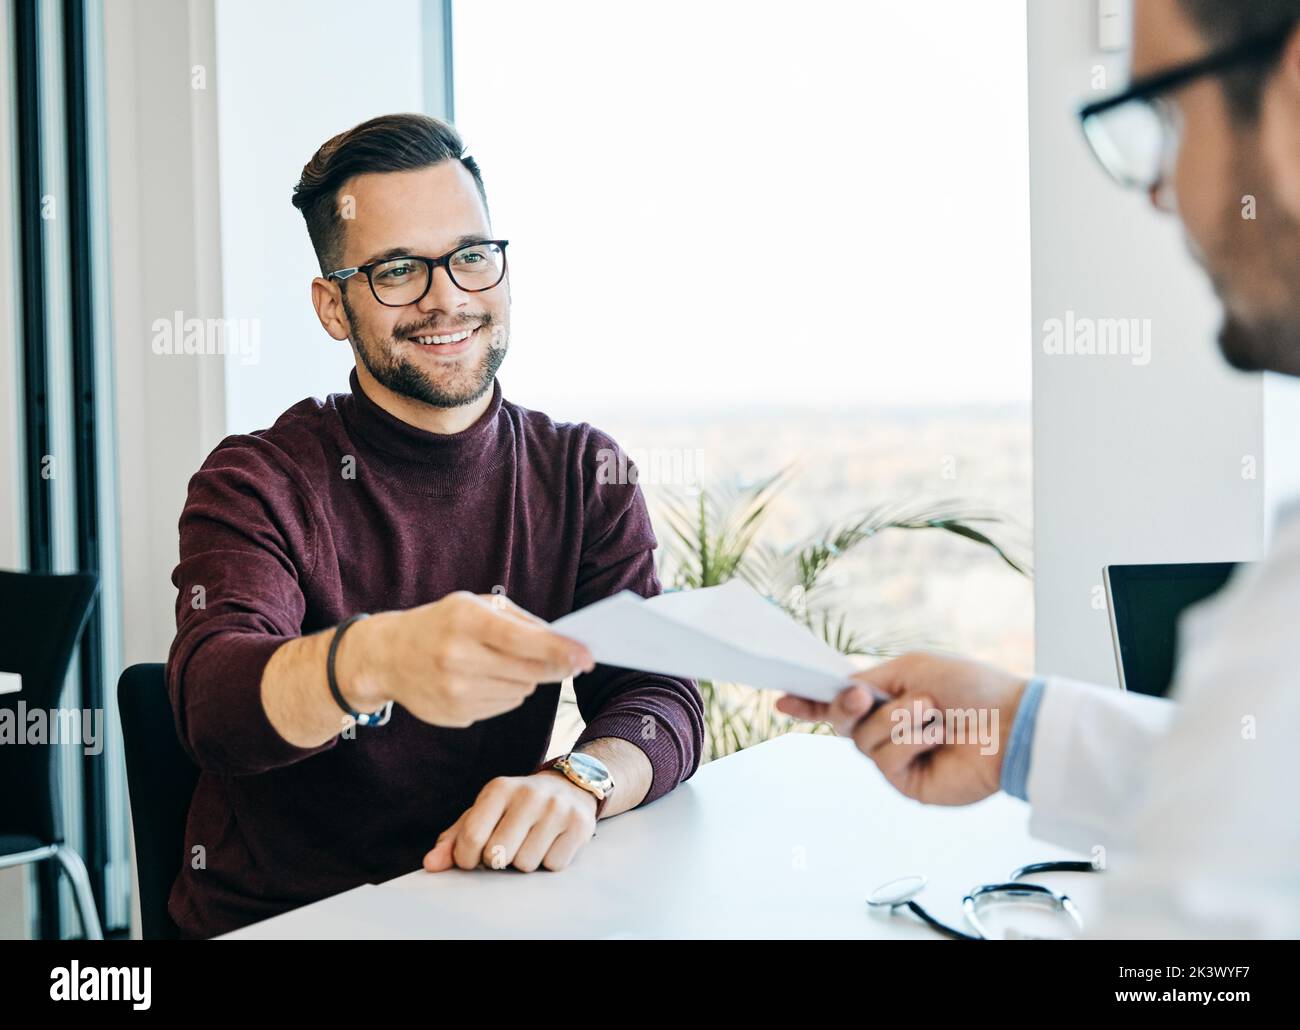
(161, 778)
(41, 619)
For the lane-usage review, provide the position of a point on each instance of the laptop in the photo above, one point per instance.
(1145, 603)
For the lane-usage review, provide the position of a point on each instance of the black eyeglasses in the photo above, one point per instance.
(1134, 134)
(404, 280)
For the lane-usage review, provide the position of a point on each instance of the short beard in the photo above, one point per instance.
(405, 378)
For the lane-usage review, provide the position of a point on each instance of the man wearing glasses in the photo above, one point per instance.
(1198, 797)
(337, 748)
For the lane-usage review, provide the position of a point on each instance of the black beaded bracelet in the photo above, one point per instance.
(377, 718)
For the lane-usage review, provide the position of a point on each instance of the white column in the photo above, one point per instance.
(1133, 462)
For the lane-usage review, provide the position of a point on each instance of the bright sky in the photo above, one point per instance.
(756, 204)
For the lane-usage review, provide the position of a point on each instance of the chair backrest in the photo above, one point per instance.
(41, 619)
(161, 778)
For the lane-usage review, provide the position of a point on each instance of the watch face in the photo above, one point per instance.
(590, 769)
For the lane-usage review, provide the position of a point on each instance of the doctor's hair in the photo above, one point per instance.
(389, 143)
(1225, 23)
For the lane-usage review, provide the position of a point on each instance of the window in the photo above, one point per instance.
(767, 233)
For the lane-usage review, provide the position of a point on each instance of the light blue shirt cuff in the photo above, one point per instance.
(1015, 763)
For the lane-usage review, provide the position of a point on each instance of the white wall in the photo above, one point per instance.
(1131, 463)
(1281, 442)
(163, 206)
(290, 75)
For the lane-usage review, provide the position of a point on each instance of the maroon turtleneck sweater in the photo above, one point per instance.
(339, 508)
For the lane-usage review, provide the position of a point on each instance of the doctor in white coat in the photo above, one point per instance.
(1194, 802)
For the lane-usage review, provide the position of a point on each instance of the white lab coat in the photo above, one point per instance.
(1196, 800)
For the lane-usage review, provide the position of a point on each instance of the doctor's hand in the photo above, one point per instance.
(519, 821)
(940, 737)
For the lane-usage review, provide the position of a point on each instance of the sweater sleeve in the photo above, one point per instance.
(245, 536)
(662, 715)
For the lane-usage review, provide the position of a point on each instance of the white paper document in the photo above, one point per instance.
(726, 633)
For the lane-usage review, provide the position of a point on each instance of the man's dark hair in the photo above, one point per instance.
(1224, 23)
(389, 143)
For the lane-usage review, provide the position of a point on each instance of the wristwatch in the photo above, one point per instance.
(586, 772)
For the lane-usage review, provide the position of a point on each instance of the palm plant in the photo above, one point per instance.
(715, 535)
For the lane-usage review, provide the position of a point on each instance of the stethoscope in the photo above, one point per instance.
(902, 893)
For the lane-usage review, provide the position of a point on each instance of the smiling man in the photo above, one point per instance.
(337, 748)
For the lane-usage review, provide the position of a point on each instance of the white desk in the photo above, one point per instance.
(782, 840)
